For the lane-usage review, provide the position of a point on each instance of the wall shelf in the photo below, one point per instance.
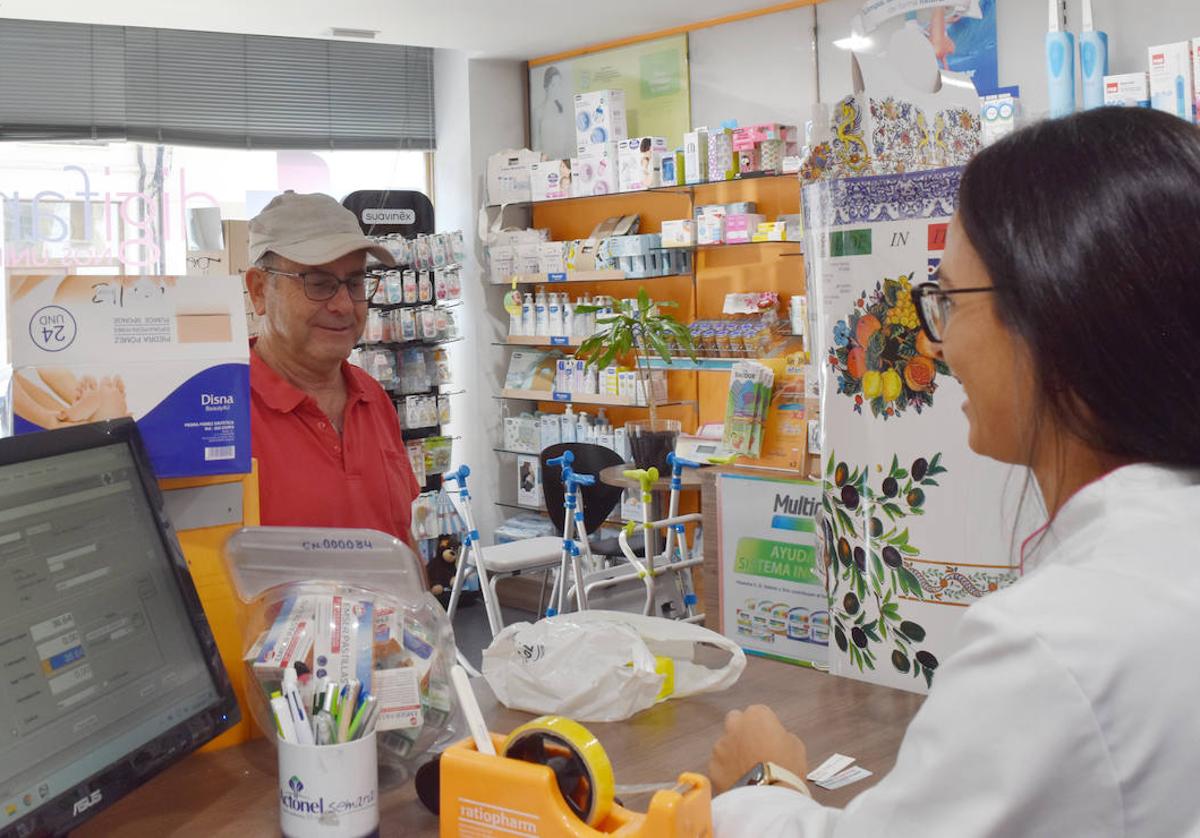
(673, 189)
(578, 276)
(541, 340)
(569, 398)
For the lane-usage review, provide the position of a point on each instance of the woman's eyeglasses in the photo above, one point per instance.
(935, 305)
(320, 286)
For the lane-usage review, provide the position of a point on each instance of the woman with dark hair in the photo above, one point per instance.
(1067, 306)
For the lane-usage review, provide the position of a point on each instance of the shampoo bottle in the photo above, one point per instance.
(1093, 60)
(540, 314)
(568, 425)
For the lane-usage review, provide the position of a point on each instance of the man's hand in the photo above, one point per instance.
(752, 736)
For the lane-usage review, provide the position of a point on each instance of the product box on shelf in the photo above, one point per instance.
(528, 259)
(594, 171)
(998, 116)
(1195, 44)
(640, 162)
(710, 224)
(1127, 90)
(599, 117)
(1172, 82)
(722, 158)
(169, 352)
(695, 156)
(508, 175)
(503, 259)
(552, 257)
(550, 180)
(679, 233)
(672, 168)
(740, 227)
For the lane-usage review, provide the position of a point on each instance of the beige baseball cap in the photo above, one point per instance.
(311, 229)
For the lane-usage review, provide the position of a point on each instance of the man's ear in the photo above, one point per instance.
(256, 285)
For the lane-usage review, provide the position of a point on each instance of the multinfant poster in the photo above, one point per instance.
(773, 600)
(916, 526)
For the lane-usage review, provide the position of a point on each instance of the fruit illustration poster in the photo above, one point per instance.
(915, 526)
(773, 600)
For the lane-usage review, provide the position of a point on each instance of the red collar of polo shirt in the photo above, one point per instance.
(282, 395)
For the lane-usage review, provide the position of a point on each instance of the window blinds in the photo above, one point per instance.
(75, 81)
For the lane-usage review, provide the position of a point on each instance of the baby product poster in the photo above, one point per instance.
(653, 75)
(915, 526)
(773, 599)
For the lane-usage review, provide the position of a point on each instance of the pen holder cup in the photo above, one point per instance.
(329, 791)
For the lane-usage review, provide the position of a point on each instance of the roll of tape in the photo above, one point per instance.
(584, 772)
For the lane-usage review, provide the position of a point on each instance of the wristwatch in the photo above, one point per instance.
(772, 774)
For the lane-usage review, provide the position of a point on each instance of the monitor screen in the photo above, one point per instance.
(108, 671)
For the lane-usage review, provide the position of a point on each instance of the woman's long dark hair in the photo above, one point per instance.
(1089, 227)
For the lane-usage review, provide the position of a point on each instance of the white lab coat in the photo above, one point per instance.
(1072, 704)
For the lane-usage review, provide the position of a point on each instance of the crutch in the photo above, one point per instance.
(471, 548)
(573, 529)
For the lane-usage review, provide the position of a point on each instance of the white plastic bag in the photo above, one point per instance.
(602, 666)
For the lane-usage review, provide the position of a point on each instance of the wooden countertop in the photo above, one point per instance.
(231, 792)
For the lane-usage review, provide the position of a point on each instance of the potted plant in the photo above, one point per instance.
(641, 328)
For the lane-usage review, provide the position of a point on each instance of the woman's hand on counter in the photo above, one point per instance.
(752, 736)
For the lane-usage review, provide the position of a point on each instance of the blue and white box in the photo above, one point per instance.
(599, 117)
(169, 352)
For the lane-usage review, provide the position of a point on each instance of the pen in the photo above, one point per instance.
(368, 725)
(364, 710)
(304, 731)
(283, 719)
(346, 706)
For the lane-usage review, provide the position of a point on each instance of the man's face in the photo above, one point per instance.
(316, 334)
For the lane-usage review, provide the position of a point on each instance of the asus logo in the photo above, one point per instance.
(85, 803)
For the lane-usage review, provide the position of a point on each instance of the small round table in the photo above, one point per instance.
(615, 476)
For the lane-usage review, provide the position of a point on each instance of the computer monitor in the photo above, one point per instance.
(108, 669)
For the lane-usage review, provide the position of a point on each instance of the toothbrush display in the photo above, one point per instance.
(1060, 66)
(1093, 60)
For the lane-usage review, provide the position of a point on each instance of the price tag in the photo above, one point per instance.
(559, 340)
(556, 277)
(561, 397)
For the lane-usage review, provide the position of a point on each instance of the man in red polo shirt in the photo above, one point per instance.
(325, 433)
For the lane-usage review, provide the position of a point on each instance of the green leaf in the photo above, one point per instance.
(928, 482)
(877, 566)
(829, 468)
(909, 550)
(895, 464)
(643, 301)
(928, 678)
(661, 348)
(901, 474)
(882, 628)
(908, 578)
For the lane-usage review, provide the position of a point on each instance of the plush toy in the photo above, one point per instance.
(442, 566)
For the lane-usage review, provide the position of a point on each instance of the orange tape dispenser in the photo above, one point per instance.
(551, 778)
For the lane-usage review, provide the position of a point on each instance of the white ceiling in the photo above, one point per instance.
(484, 28)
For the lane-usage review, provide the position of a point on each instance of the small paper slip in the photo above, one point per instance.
(845, 778)
(398, 697)
(826, 770)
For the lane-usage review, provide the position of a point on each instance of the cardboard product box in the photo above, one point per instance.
(740, 227)
(722, 157)
(600, 117)
(508, 175)
(1195, 42)
(640, 163)
(998, 116)
(528, 259)
(170, 352)
(503, 259)
(679, 233)
(1127, 90)
(710, 228)
(695, 156)
(594, 171)
(1172, 84)
(552, 257)
(550, 180)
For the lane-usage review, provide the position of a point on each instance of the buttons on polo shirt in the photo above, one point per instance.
(322, 425)
(337, 449)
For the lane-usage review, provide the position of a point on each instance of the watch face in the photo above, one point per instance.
(756, 776)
